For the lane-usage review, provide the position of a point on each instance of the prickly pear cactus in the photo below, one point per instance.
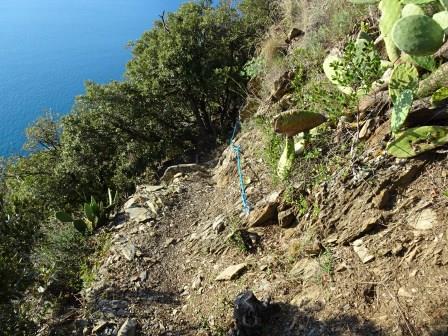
(424, 62)
(401, 109)
(440, 97)
(390, 14)
(411, 9)
(435, 81)
(417, 2)
(415, 141)
(286, 159)
(444, 4)
(294, 122)
(404, 77)
(418, 35)
(442, 19)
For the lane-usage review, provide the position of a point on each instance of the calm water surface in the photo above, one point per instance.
(48, 48)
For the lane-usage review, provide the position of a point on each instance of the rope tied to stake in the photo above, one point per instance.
(237, 151)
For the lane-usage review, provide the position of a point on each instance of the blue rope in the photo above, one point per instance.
(237, 150)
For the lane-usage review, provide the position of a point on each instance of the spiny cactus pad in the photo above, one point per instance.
(440, 97)
(417, 2)
(286, 159)
(390, 14)
(404, 77)
(424, 62)
(411, 9)
(402, 106)
(442, 19)
(364, 2)
(415, 141)
(418, 35)
(294, 122)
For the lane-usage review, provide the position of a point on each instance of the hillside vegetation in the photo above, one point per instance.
(339, 112)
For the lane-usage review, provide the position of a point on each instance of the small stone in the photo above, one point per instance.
(219, 224)
(232, 272)
(197, 282)
(362, 251)
(138, 214)
(143, 276)
(128, 251)
(128, 328)
(424, 220)
(306, 269)
(169, 241)
(286, 218)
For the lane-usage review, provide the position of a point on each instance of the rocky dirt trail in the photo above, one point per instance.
(372, 261)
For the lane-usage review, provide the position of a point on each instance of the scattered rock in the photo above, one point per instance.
(143, 276)
(381, 201)
(128, 328)
(424, 220)
(219, 224)
(306, 268)
(286, 218)
(265, 212)
(169, 241)
(282, 86)
(128, 251)
(138, 214)
(308, 297)
(232, 272)
(171, 172)
(362, 251)
(197, 282)
(293, 34)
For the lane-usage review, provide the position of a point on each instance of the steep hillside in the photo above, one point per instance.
(329, 202)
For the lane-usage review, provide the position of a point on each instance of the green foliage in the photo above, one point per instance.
(412, 9)
(418, 35)
(359, 67)
(255, 67)
(415, 141)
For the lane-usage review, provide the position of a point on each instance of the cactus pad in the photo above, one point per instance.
(402, 106)
(331, 73)
(411, 9)
(440, 97)
(415, 141)
(418, 35)
(442, 19)
(294, 122)
(390, 14)
(404, 77)
(286, 159)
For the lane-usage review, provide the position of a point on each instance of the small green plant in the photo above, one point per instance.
(255, 67)
(95, 214)
(359, 67)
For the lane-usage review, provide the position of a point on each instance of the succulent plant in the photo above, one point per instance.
(424, 62)
(415, 141)
(404, 77)
(401, 109)
(293, 122)
(418, 35)
(411, 9)
(444, 4)
(390, 14)
(417, 2)
(435, 81)
(442, 19)
(440, 97)
(286, 159)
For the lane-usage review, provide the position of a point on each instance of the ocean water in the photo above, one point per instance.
(48, 48)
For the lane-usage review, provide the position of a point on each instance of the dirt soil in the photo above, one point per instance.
(373, 261)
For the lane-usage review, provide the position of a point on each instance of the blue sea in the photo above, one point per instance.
(48, 48)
